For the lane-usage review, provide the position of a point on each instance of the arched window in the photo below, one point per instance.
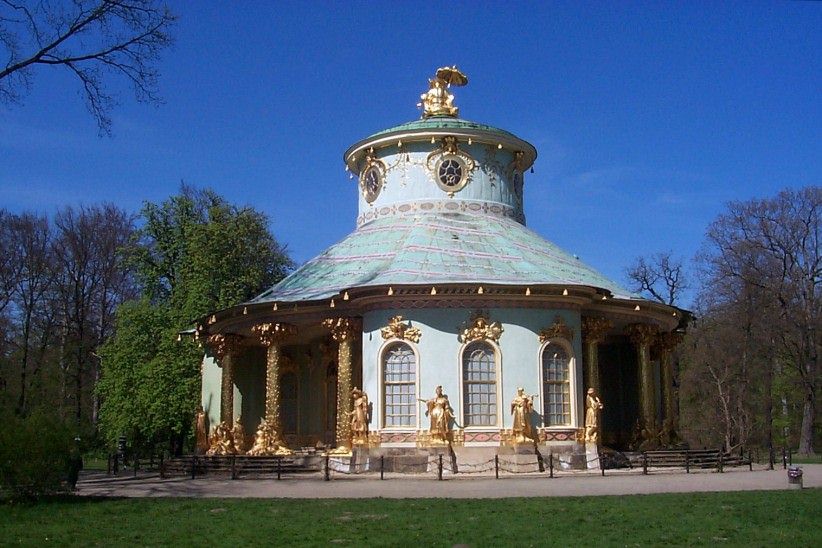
(479, 385)
(399, 386)
(288, 403)
(556, 386)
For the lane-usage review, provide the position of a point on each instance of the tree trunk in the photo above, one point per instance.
(808, 418)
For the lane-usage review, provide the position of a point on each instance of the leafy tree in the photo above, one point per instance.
(90, 39)
(195, 253)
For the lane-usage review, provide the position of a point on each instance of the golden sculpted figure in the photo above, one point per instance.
(521, 407)
(359, 417)
(222, 440)
(592, 407)
(437, 101)
(200, 431)
(238, 436)
(267, 442)
(440, 414)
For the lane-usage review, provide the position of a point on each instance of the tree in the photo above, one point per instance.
(91, 39)
(771, 246)
(661, 276)
(91, 280)
(195, 253)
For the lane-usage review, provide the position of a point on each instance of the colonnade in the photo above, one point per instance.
(644, 337)
(273, 336)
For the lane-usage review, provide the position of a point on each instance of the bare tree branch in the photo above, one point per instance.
(92, 39)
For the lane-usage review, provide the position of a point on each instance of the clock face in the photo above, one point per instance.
(372, 181)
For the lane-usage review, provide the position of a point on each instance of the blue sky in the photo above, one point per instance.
(648, 117)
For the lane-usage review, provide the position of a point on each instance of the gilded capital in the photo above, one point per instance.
(397, 329)
(594, 328)
(343, 329)
(222, 344)
(269, 333)
(480, 328)
(558, 330)
(667, 341)
(641, 334)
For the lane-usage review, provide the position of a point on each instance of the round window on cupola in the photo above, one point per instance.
(451, 173)
(371, 181)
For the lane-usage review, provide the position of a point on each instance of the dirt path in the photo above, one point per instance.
(396, 486)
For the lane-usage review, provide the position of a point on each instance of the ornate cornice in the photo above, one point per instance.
(223, 344)
(396, 329)
(557, 330)
(641, 334)
(594, 328)
(269, 333)
(343, 329)
(480, 328)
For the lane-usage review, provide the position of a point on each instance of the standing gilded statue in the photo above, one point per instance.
(440, 414)
(521, 407)
(593, 405)
(359, 417)
(200, 431)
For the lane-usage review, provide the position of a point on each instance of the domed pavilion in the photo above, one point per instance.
(441, 284)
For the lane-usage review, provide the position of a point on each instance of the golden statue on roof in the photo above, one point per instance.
(437, 101)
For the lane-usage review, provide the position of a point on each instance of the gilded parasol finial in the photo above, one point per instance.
(437, 101)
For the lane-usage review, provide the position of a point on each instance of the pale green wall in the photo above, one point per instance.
(210, 390)
(440, 355)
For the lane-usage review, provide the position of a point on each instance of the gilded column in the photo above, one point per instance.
(344, 331)
(642, 335)
(593, 333)
(666, 342)
(224, 347)
(271, 335)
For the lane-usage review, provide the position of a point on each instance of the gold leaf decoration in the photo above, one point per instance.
(396, 329)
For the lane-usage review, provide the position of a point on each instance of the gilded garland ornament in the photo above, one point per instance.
(396, 329)
(558, 330)
(481, 328)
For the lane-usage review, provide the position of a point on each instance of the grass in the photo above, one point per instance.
(750, 518)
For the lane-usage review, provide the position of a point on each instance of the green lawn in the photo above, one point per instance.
(788, 518)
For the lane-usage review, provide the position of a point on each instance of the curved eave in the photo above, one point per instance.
(356, 152)
(356, 301)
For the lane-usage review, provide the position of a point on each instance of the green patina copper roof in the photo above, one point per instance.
(441, 122)
(437, 248)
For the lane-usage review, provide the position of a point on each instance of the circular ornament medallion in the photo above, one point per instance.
(371, 181)
(451, 173)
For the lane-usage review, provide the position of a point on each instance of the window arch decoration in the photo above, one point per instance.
(398, 378)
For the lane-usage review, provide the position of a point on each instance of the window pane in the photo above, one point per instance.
(479, 385)
(399, 386)
(556, 386)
